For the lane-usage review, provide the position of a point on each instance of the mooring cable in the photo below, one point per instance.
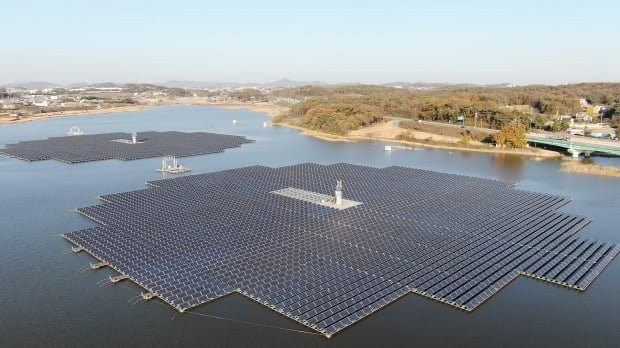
(255, 323)
(126, 287)
(244, 321)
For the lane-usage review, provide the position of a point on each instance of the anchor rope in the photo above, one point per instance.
(255, 323)
(124, 286)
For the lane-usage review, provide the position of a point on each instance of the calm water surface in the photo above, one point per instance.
(46, 301)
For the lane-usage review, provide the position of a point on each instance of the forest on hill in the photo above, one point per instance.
(341, 109)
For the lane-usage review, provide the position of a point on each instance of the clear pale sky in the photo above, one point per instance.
(523, 42)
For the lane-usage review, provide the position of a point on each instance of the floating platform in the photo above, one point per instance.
(453, 239)
(316, 198)
(170, 165)
(99, 147)
(175, 170)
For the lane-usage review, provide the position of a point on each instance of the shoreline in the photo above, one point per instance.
(536, 153)
(364, 134)
(272, 111)
(68, 113)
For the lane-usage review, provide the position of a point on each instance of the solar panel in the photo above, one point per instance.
(98, 147)
(267, 234)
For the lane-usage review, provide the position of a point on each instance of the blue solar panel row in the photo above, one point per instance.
(193, 239)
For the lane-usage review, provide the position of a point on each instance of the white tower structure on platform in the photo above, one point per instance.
(134, 135)
(75, 131)
(339, 192)
(165, 165)
(170, 165)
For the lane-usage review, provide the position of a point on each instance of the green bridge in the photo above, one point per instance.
(576, 145)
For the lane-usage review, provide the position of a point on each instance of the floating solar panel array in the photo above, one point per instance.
(451, 238)
(98, 147)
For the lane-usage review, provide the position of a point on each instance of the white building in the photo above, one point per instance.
(40, 102)
(583, 117)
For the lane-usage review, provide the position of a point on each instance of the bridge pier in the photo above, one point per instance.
(587, 153)
(574, 152)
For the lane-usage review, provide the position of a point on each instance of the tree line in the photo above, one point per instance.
(344, 108)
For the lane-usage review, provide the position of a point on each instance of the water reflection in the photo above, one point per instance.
(587, 160)
(466, 154)
(508, 167)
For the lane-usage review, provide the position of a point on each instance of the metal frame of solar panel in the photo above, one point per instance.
(454, 239)
(98, 147)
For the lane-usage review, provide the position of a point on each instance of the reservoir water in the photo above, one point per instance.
(47, 300)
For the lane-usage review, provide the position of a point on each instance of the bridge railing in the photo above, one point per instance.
(572, 141)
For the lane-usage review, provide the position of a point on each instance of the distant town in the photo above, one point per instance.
(20, 103)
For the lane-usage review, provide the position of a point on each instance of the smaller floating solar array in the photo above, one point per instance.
(262, 232)
(98, 147)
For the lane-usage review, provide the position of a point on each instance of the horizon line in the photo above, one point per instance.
(297, 82)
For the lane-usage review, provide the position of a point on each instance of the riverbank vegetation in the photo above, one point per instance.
(340, 109)
(577, 167)
(512, 134)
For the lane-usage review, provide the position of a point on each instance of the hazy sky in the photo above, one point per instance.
(473, 41)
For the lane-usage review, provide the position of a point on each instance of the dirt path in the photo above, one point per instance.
(389, 131)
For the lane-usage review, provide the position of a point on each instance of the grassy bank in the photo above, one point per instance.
(386, 131)
(577, 167)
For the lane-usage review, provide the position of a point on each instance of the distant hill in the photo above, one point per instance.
(429, 85)
(283, 83)
(94, 85)
(401, 84)
(105, 85)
